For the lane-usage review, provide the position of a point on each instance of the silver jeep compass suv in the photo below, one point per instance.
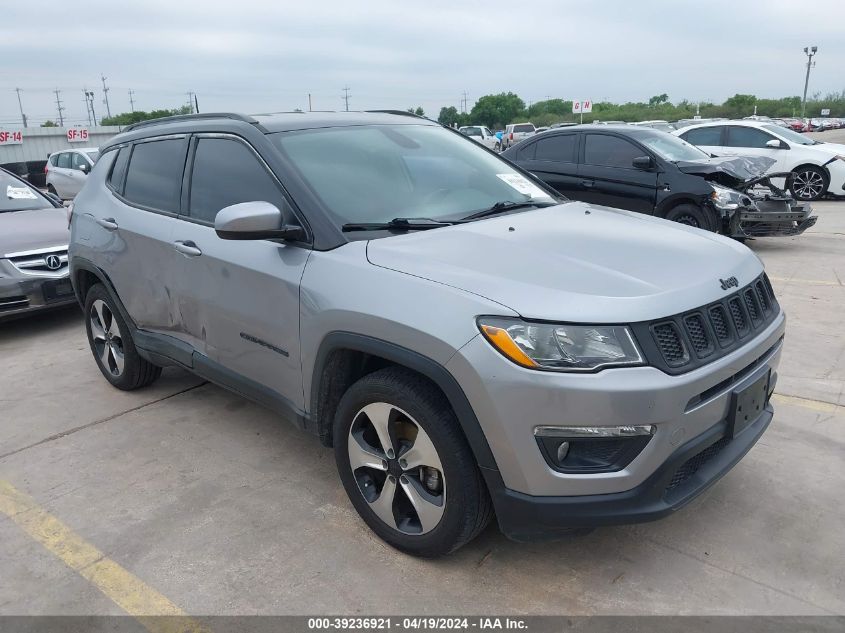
(468, 342)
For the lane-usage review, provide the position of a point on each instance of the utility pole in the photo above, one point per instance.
(59, 107)
(131, 100)
(346, 97)
(309, 102)
(464, 102)
(190, 94)
(20, 105)
(87, 105)
(196, 104)
(809, 53)
(89, 97)
(105, 95)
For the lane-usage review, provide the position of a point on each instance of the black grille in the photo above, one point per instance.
(719, 319)
(698, 335)
(751, 304)
(669, 341)
(694, 463)
(685, 341)
(738, 315)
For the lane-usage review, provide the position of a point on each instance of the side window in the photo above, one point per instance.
(487, 132)
(558, 148)
(54, 159)
(739, 136)
(77, 160)
(227, 172)
(610, 151)
(527, 153)
(118, 171)
(704, 136)
(64, 160)
(154, 178)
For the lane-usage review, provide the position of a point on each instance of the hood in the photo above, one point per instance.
(574, 262)
(834, 148)
(29, 230)
(729, 170)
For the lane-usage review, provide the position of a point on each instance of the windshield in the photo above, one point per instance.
(789, 135)
(16, 195)
(374, 173)
(672, 148)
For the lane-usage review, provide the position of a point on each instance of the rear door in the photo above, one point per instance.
(61, 176)
(79, 169)
(238, 301)
(608, 177)
(553, 159)
(133, 228)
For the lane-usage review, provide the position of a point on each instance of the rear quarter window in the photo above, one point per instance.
(118, 172)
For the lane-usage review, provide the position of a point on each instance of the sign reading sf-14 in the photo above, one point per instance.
(580, 107)
(11, 137)
(77, 134)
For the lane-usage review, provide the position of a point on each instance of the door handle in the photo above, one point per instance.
(107, 223)
(588, 184)
(187, 248)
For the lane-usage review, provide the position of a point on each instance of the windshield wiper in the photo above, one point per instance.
(402, 224)
(501, 207)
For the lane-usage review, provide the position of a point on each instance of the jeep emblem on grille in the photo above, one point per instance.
(53, 262)
(730, 282)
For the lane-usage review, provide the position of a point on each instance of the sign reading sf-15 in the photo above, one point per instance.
(77, 134)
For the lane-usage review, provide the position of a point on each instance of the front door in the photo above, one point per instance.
(238, 301)
(608, 176)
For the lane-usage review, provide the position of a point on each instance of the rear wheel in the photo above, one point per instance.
(693, 215)
(111, 343)
(406, 465)
(808, 183)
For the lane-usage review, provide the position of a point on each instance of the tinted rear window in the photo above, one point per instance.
(64, 160)
(557, 148)
(523, 128)
(704, 136)
(154, 178)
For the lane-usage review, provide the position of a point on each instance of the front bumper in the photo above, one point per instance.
(688, 472)
(24, 293)
(775, 223)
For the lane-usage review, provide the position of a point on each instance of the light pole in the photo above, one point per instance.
(809, 53)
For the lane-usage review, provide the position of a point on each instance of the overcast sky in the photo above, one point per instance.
(262, 55)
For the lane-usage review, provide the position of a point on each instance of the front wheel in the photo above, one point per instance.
(808, 183)
(406, 465)
(693, 215)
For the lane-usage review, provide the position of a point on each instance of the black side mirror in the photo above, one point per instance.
(643, 162)
(57, 202)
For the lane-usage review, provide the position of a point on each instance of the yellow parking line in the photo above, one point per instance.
(127, 591)
(808, 282)
(815, 405)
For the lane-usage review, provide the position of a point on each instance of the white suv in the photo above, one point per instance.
(67, 170)
(817, 167)
(515, 132)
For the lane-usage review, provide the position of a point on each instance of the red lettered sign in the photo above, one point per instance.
(11, 137)
(77, 135)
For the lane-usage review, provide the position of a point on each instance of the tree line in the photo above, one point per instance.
(496, 111)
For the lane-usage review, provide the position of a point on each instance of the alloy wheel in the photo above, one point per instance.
(108, 342)
(397, 468)
(808, 184)
(688, 219)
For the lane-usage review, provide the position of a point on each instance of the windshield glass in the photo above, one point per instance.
(374, 173)
(789, 135)
(16, 195)
(672, 148)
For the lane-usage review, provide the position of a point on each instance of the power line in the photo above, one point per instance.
(105, 94)
(59, 107)
(20, 105)
(346, 97)
(131, 100)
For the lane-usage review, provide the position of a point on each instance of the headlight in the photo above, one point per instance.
(559, 347)
(724, 198)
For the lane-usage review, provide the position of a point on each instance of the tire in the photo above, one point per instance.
(808, 183)
(112, 345)
(692, 215)
(440, 473)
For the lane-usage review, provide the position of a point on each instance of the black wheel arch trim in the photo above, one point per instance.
(425, 366)
(78, 264)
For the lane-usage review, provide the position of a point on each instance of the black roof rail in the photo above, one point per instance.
(399, 112)
(193, 117)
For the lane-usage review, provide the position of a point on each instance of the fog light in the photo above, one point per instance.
(591, 449)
